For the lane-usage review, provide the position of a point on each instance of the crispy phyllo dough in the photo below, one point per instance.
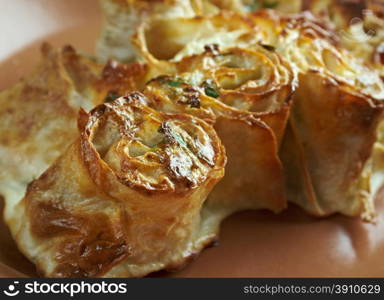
(364, 38)
(126, 198)
(337, 110)
(166, 26)
(357, 25)
(38, 118)
(170, 46)
(247, 6)
(246, 95)
(121, 18)
(119, 79)
(329, 148)
(175, 38)
(307, 46)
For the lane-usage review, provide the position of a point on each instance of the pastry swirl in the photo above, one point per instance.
(122, 17)
(329, 148)
(246, 95)
(125, 199)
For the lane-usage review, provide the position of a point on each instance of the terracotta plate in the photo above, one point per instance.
(252, 244)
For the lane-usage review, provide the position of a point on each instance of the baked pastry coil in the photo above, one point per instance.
(121, 18)
(332, 150)
(126, 198)
(246, 94)
(172, 39)
(306, 48)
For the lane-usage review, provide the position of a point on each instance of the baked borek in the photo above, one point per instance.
(332, 153)
(126, 198)
(334, 121)
(121, 18)
(246, 95)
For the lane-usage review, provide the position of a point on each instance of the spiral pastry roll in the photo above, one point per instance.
(246, 95)
(332, 152)
(121, 18)
(307, 46)
(365, 39)
(173, 39)
(126, 198)
(38, 118)
(333, 85)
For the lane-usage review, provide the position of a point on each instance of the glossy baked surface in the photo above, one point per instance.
(348, 247)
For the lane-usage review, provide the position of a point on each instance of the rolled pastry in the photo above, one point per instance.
(331, 83)
(331, 152)
(334, 122)
(121, 18)
(172, 39)
(126, 198)
(246, 95)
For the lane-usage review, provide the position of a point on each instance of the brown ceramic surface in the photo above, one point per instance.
(252, 244)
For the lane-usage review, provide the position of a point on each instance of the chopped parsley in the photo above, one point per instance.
(211, 92)
(168, 80)
(270, 4)
(176, 82)
(257, 4)
(210, 89)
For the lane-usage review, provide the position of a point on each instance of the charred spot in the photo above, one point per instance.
(50, 219)
(171, 137)
(135, 97)
(179, 167)
(268, 47)
(167, 132)
(213, 49)
(90, 243)
(191, 97)
(164, 128)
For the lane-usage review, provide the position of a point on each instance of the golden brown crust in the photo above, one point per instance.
(39, 113)
(118, 80)
(246, 95)
(101, 244)
(125, 198)
(128, 197)
(331, 136)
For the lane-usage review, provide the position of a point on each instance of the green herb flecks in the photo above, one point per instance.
(270, 4)
(176, 82)
(258, 4)
(211, 92)
(211, 89)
